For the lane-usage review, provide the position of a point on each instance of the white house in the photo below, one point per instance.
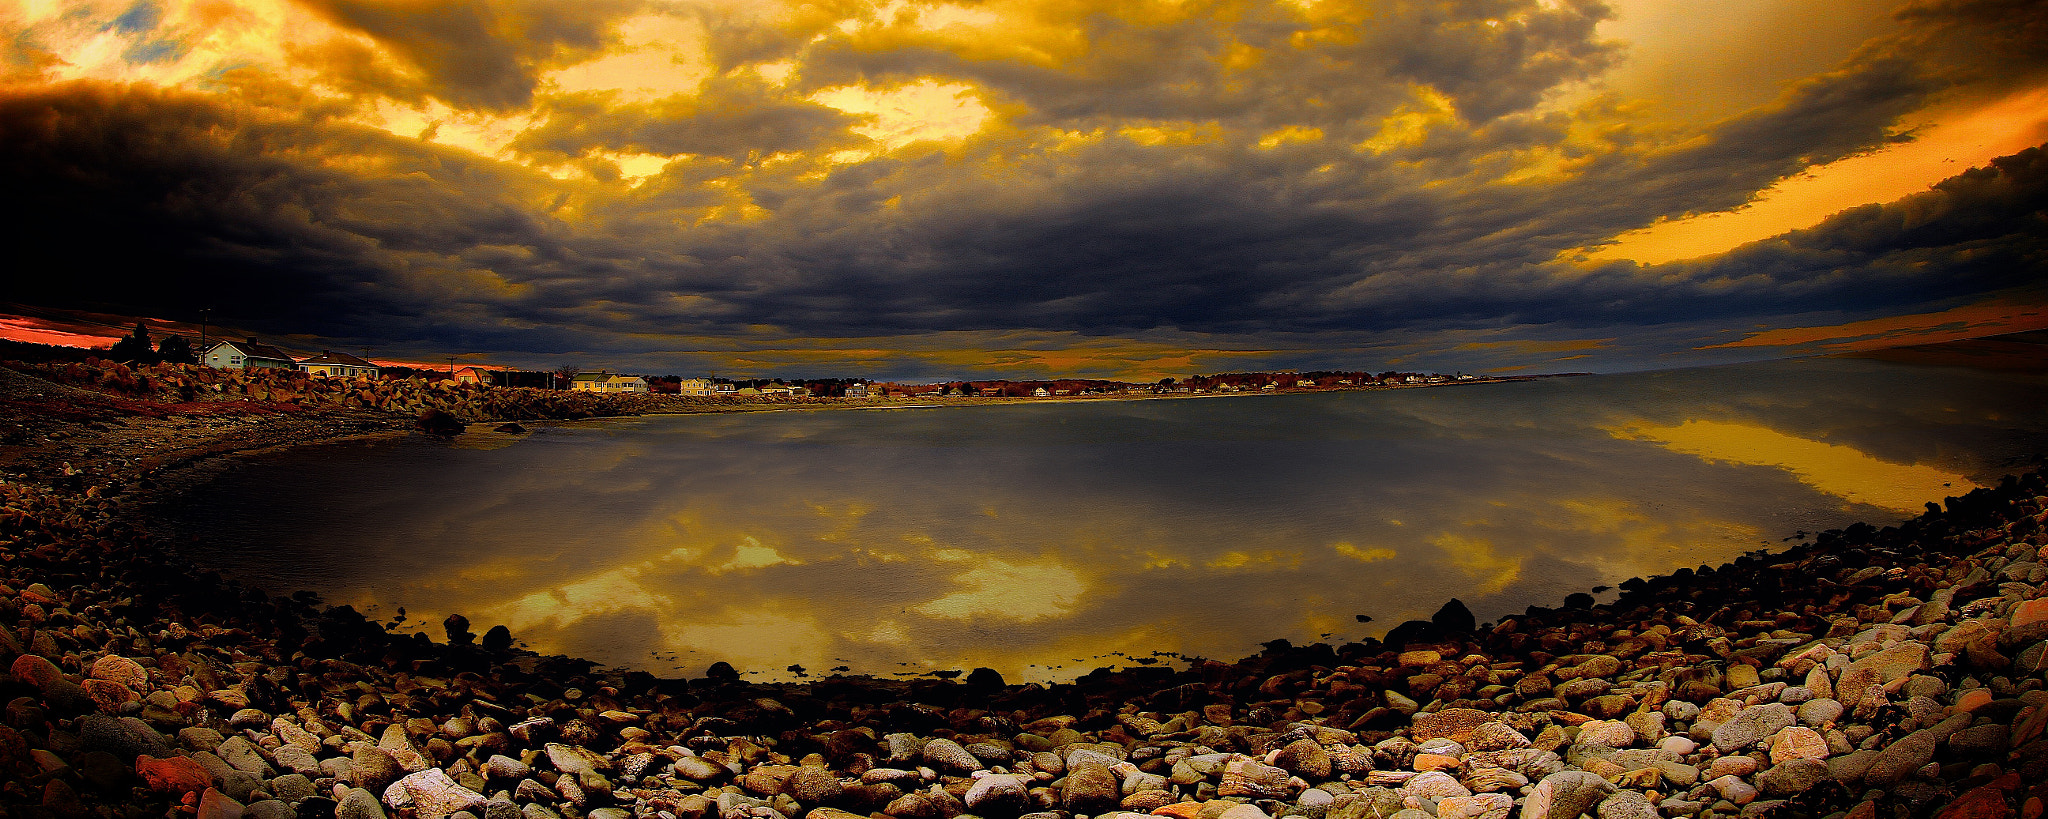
(246, 355)
(340, 365)
(698, 387)
(857, 389)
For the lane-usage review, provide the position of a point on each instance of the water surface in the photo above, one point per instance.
(1042, 539)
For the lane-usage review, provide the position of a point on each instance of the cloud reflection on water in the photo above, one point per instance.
(1033, 539)
(1832, 468)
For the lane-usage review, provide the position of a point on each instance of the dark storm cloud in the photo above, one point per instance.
(467, 53)
(1995, 42)
(725, 118)
(169, 202)
(1982, 231)
(1053, 219)
(1257, 66)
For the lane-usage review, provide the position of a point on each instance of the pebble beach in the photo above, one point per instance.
(1872, 672)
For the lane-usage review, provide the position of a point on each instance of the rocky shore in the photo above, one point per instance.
(1871, 673)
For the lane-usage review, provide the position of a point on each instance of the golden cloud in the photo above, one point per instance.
(1992, 317)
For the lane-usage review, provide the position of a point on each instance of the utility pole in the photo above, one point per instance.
(202, 333)
(451, 367)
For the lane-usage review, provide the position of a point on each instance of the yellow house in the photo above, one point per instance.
(340, 365)
(607, 381)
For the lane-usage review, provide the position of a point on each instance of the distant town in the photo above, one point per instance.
(250, 353)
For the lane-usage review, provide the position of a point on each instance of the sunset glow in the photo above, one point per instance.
(1019, 188)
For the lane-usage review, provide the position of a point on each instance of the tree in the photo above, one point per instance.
(134, 349)
(564, 375)
(176, 350)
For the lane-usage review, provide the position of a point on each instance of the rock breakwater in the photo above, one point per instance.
(1872, 673)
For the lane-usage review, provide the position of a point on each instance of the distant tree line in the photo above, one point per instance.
(134, 348)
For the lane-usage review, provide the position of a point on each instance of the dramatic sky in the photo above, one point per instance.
(1028, 187)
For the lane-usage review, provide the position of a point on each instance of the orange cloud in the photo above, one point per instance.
(1956, 140)
(1985, 318)
(17, 328)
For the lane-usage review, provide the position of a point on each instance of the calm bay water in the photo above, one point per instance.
(1042, 539)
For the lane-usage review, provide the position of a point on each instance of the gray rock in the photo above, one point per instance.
(291, 787)
(813, 786)
(1251, 778)
(359, 804)
(530, 791)
(999, 795)
(269, 809)
(1090, 789)
(1899, 760)
(340, 768)
(902, 748)
(431, 793)
(1681, 807)
(1679, 773)
(570, 759)
(244, 756)
(1635, 759)
(500, 766)
(199, 739)
(294, 735)
(401, 748)
(1487, 778)
(1792, 777)
(916, 805)
(1304, 758)
(124, 737)
(1647, 724)
(1818, 712)
(947, 756)
(1850, 767)
(1077, 757)
(700, 770)
(1479, 806)
(374, 769)
(1496, 736)
(1433, 786)
(989, 753)
(1243, 812)
(1626, 804)
(1565, 795)
(237, 784)
(1753, 725)
(534, 731)
(297, 760)
(1982, 740)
